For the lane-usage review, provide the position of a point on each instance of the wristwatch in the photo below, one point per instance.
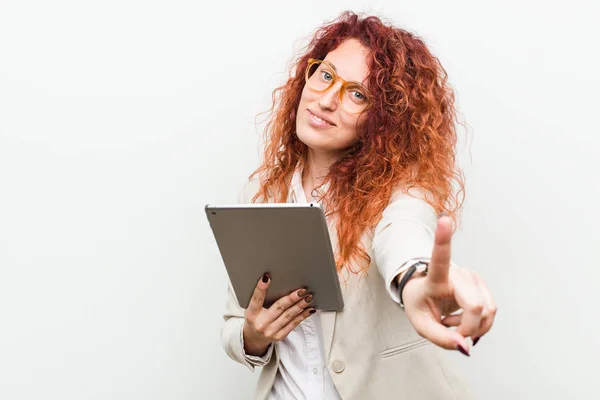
(417, 267)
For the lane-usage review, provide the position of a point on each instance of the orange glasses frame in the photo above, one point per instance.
(345, 84)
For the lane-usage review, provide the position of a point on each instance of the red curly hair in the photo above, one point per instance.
(407, 139)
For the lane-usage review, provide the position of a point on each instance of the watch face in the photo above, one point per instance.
(421, 267)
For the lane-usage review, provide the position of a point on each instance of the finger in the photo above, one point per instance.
(285, 331)
(489, 313)
(291, 313)
(452, 320)
(469, 297)
(280, 306)
(439, 265)
(259, 294)
(429, 328)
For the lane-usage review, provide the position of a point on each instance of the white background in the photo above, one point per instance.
(120, 120)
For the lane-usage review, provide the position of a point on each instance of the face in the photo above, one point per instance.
(321, 122)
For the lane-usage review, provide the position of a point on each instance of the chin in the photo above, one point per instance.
(312, 139)
(315, 142)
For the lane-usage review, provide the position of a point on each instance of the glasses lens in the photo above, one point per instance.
(354, 99)
(319, 76)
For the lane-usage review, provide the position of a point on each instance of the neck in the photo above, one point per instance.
(316, 169)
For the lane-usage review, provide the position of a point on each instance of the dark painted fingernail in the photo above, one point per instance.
(312, 311)
(302, 292)
(444, 214)
(308, 298)
(265, 278)
(462, 350)
(476, 340)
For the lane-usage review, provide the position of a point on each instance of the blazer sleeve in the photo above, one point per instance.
(405, 234)
(232, 338)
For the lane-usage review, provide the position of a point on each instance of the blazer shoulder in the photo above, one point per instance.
(412, 195)
(249, 189)
(410, 204)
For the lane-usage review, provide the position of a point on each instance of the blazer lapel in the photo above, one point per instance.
(328, 317)
(328, 326)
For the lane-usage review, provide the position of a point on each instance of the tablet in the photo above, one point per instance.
(290, 241)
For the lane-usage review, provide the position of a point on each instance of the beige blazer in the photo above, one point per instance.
(371, 349)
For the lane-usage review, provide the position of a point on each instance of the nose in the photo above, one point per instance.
(329, 100)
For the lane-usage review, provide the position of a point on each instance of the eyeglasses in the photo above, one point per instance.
(321, 75)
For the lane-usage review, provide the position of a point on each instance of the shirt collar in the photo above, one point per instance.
(297, 190)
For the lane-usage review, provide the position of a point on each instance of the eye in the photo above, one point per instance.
(358, 95)
(325, 75)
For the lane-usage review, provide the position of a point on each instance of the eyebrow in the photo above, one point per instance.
(335, 70)
(332, 65)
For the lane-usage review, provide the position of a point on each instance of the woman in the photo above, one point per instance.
(366, 126)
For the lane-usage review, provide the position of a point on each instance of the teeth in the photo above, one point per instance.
(320, 120)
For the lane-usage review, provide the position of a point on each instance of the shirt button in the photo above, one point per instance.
(315, 370)
(338, 366)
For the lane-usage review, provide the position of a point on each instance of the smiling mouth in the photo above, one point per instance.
(319, 119)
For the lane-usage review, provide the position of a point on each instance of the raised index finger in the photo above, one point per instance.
(259, 294)
(440, 258)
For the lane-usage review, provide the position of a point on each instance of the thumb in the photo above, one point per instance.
(438, 334)
(258, 296)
